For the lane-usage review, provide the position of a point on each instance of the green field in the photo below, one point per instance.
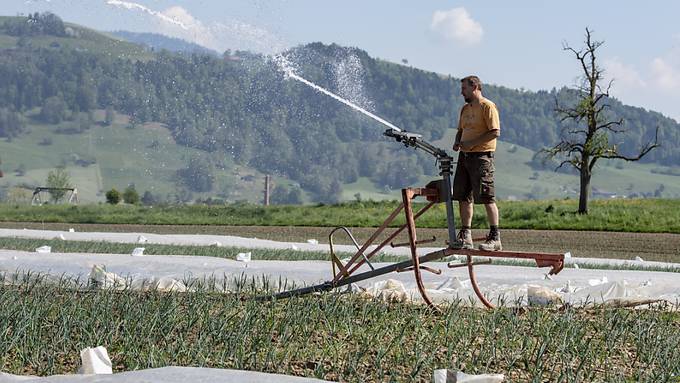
(625, 215)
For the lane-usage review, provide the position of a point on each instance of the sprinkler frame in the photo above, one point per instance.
(438, 191)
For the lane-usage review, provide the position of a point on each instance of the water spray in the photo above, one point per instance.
(134, 6)
(289, 72)
(342, 100)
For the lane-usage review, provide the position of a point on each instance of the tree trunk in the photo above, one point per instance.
(585, 190)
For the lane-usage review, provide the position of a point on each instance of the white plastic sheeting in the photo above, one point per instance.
(226, 240)
(508, 284)
(95, 360)
(166, 375)
(450, 376)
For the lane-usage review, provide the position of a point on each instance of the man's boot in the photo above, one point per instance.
(464, 240)
(492, 242)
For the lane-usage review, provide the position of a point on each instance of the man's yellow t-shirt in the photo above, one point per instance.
(476, 120)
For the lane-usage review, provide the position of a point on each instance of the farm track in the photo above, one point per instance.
(591, 244)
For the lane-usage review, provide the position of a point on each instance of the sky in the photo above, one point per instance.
(517, 44)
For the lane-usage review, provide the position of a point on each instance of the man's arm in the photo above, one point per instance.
(486, 137)
(456, 143)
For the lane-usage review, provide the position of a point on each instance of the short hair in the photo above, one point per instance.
(472, 81)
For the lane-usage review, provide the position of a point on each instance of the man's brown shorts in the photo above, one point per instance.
(473, 181)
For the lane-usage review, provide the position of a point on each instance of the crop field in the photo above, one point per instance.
(341, 337)
(336, 337)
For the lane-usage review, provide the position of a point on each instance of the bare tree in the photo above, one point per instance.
(585, 139)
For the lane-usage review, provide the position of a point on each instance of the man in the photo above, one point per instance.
(478, 129)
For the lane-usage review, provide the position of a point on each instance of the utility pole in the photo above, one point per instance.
(267, 189)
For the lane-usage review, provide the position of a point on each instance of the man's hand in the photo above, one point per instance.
(461, 145)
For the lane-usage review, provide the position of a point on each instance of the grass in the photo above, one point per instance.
(43, 327)
(634, 215)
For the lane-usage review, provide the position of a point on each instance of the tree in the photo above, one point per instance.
(86, 98)
(130, 195)
(148, 199)
(12, 123)
(58, 179)
(113, 196)
(284, 196)
(54, 110)
(199, 173)
(585, 139)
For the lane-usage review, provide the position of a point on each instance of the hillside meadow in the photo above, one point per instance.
(147, 156)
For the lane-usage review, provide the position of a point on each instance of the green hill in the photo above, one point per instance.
(239, 117)
(75, 37)
(116, 156)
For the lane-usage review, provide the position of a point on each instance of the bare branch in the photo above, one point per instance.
(610, 126)
(568, 161)
(577, 131)
(614, 154)
(599, 97)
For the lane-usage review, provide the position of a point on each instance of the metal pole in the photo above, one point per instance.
(267, 186)
(326, 286)
(450, 216)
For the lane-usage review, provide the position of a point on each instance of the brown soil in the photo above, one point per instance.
(593, 244)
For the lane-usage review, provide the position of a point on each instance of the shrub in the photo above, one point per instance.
(130, 195)
(113, 196)
(148, 199)
(58, 179)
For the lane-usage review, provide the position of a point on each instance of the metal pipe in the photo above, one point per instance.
(407, 195)
(391, 237)
(329, 285)
(450, 215)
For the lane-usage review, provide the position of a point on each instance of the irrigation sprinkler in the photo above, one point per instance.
(438, 191)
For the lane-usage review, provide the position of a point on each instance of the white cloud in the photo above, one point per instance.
(177, 22)
(457, 25)
(181, 15)
(134, 6)
(665, 75)
(655, 87)
(624, 76)
(234, 35)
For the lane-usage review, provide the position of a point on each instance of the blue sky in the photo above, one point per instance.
(514, 44)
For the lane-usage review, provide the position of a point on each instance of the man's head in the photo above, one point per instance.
(471, 88)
